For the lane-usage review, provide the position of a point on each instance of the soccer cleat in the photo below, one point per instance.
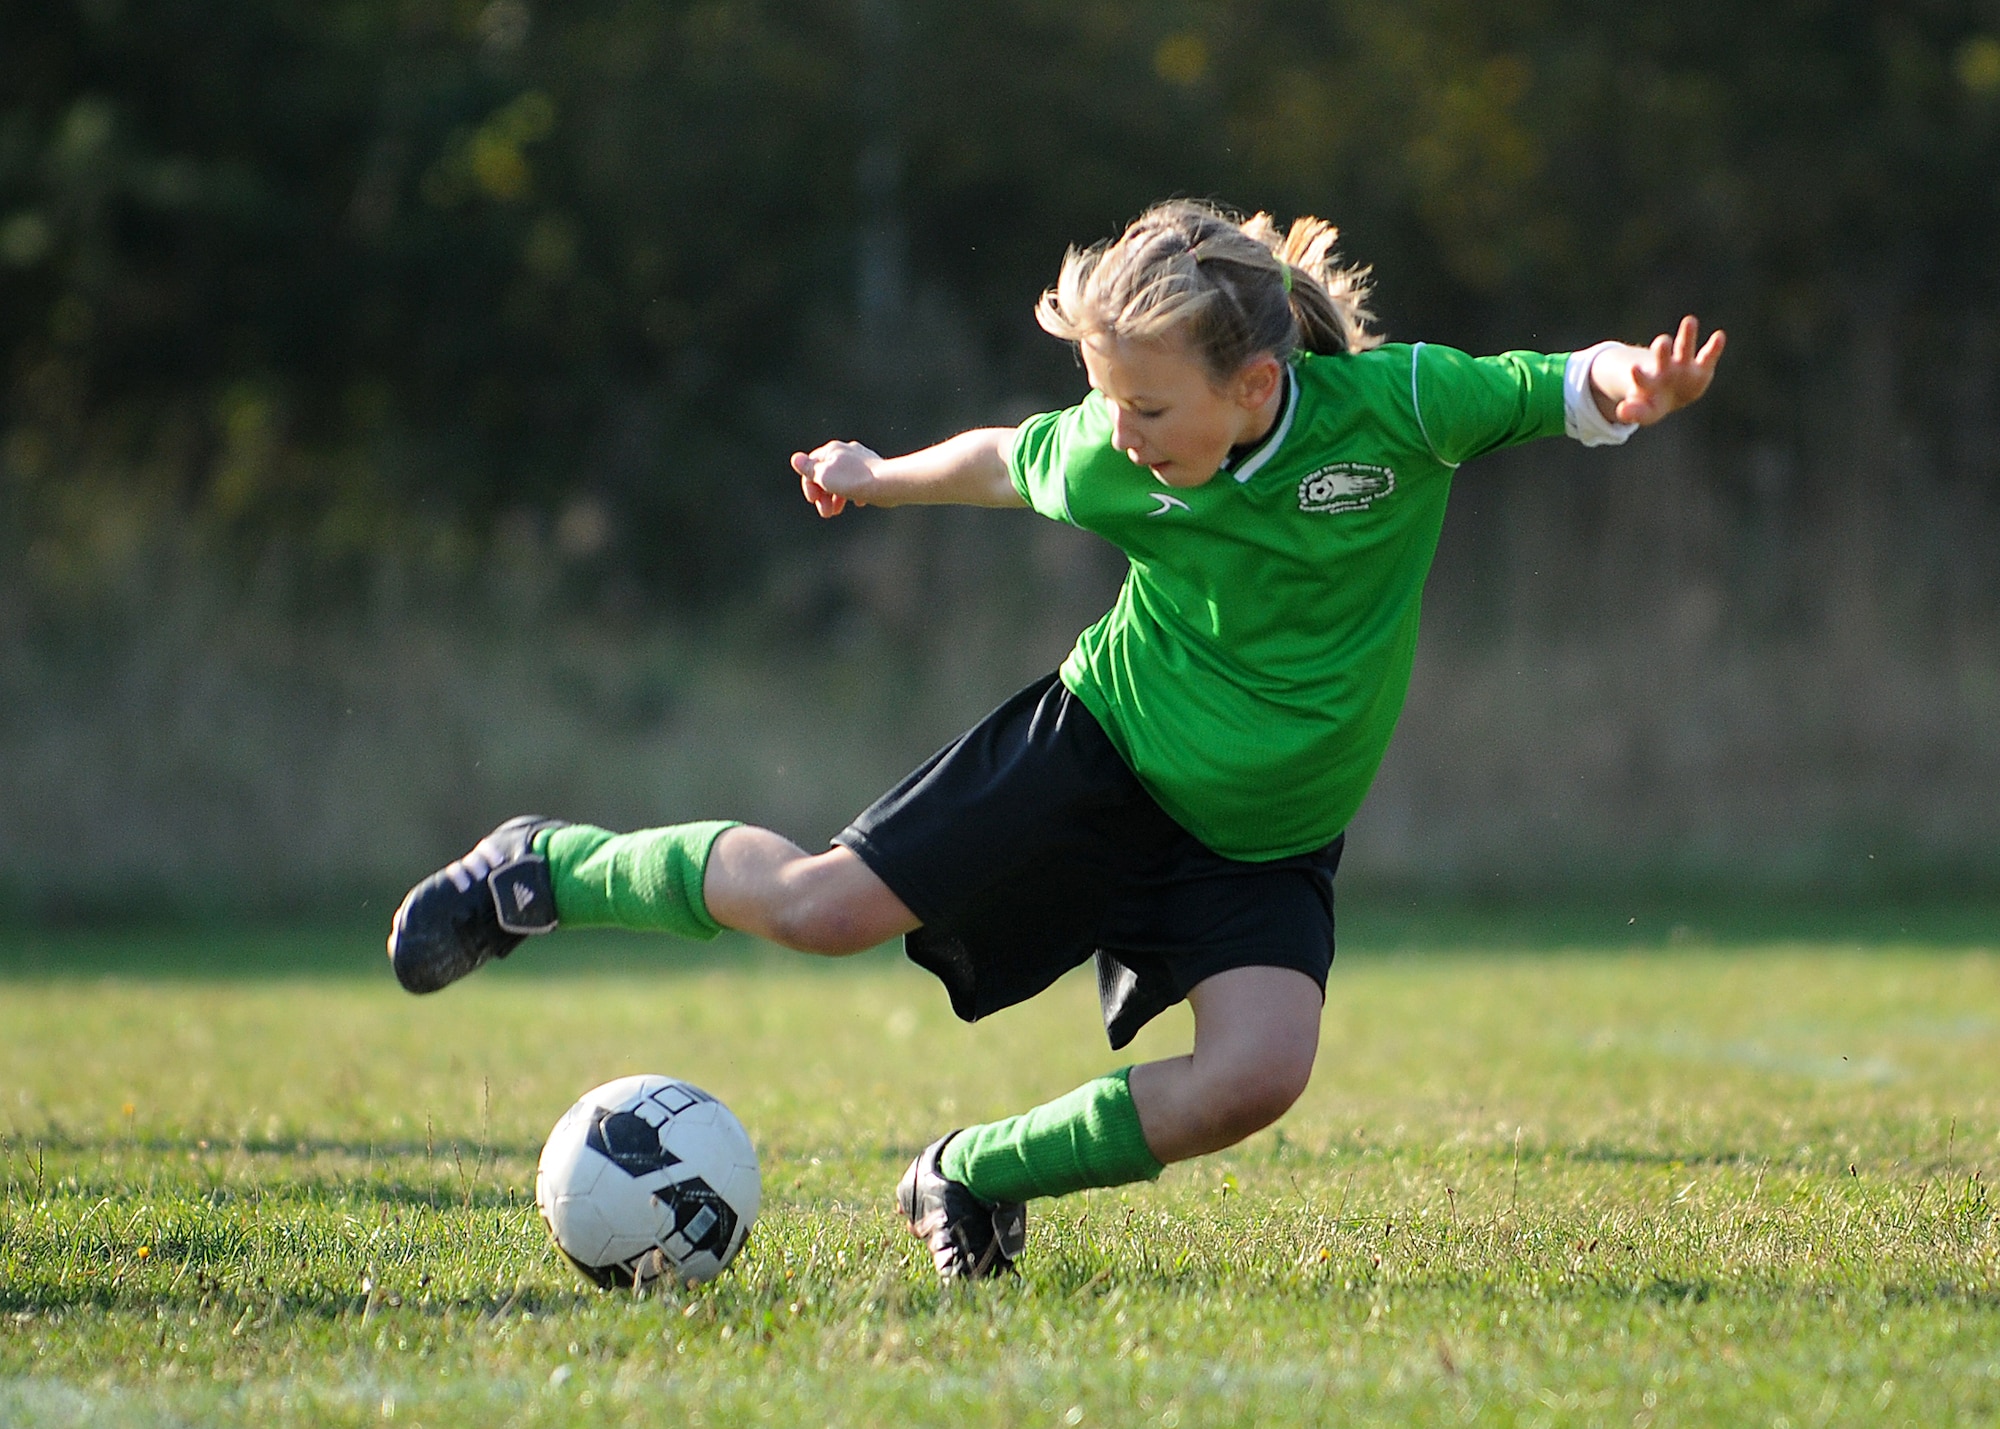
(969, 1239)
(475, 909)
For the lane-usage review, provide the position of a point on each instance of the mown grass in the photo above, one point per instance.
(1716, 1185)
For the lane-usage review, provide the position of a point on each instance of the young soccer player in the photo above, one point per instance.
(1173, 799)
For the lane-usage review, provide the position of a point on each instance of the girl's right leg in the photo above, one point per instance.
(532, 874)
(699, 879)
(696, 879)
(762, 883)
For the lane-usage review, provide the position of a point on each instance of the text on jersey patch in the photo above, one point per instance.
(1345, 486)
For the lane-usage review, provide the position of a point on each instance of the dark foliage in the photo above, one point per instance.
(335, 280)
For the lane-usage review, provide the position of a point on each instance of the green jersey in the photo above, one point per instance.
(1253, 666)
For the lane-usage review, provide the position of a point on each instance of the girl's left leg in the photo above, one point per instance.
(1256, 1032)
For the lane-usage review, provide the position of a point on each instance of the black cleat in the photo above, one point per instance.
(970, 1239)
(475, 909)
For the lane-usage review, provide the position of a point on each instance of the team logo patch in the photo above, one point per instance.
(1345, 486)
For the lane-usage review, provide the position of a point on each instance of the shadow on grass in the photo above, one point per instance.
(355, 954)
(282, 1302)
(442, 1150)
(1930, 1295)
(447, 1193)
(1632, 1156)
(457, 1176)
(256, 1297)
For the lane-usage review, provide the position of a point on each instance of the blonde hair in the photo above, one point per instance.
(1235, 287)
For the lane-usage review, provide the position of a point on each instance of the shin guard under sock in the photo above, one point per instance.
(648, 881)
(1090, 1137)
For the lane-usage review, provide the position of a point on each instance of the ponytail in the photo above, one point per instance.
(1232, 287)
(1329, 301)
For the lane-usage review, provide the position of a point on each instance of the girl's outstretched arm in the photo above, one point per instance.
(1643, 384)
(968, 470)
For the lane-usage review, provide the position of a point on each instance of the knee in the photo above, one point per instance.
(1249, 1095)
(836, 905)
(811, 925)
(820, 914)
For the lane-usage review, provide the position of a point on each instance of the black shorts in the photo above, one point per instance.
(1027, 845)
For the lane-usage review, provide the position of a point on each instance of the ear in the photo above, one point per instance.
(1258, 381)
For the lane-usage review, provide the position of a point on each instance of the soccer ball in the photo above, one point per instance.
(645, 1177)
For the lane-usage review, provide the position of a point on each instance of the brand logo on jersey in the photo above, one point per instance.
(1345, 486)
(1167, 503)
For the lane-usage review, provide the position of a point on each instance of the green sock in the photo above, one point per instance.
(649, 880)
(1091, 1137)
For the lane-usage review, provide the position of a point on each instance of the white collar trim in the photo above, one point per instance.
(1277, 438)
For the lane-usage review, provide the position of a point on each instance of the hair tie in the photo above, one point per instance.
(1285, 274)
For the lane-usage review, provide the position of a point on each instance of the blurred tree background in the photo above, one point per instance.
(397, 393)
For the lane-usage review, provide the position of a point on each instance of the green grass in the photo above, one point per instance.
(1725, 1184)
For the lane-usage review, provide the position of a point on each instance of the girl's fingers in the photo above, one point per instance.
(1651, 371)
(1672, 370)
(1686, 336)
(812, 466)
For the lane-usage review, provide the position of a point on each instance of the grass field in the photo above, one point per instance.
(246, 1180)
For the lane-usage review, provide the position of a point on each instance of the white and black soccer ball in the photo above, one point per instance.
(645, 1177)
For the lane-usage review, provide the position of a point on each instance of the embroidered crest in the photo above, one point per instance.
(1345, 486)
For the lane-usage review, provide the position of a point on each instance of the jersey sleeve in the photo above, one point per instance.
(1467, 406)
(1040, 458)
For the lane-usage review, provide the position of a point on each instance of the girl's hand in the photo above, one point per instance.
(1644, 384)
(969, 469)
(835, 474)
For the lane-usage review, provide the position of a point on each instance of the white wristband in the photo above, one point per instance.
(1581, 417)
